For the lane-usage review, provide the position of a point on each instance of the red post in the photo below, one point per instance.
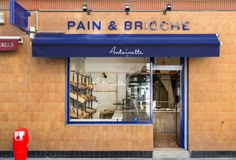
(20, 143)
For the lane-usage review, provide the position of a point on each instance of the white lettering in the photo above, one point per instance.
(6, 44)
(98, 81)
(125, 51)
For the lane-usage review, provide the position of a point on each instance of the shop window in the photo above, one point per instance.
(109, 90)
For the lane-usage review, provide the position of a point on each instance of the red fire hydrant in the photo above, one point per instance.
(20, 143)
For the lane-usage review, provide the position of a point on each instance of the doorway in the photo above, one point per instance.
(167, 103)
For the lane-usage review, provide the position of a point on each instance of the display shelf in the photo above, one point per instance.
(78, 113)
(80, 86)
(81, 96)
(73, 96)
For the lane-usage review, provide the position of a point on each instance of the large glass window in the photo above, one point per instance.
(113, 90)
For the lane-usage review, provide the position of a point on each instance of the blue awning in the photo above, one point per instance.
(125, 45)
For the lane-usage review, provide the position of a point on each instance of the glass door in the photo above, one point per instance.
(166, 106)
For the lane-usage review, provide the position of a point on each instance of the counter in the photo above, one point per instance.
(130, 115)
(165, 121)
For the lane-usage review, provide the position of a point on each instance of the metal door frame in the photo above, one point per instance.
(183, 68)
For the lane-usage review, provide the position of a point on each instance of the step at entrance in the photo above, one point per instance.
(175, 153)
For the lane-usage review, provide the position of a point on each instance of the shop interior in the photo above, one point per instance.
(110, 89)
(119, 89)
(166, 104)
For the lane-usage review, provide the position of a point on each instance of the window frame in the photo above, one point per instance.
(67, 110)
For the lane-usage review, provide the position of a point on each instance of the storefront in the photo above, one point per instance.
(94, 85)
(127, 69)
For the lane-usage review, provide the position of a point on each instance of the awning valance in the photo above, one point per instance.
(125, 45)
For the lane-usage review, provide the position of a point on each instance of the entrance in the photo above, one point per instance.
(167, 103)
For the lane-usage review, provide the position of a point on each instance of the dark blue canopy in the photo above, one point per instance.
(125, 45)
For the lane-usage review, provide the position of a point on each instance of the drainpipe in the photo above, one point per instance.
(36, 20)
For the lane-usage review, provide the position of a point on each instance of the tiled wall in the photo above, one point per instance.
(118, 5)
(32, 95)
(212, 91)
(32, 92)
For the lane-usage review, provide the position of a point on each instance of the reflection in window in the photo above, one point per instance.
(109, 89)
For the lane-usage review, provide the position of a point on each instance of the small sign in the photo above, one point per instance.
(8, 44)
(19, 16)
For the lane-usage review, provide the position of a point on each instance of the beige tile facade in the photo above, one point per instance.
(212, 89)
(212, 101)
(118, 5)
(32, 95)
(32, 90)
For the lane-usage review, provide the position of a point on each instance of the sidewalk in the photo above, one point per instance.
(123, 158)
(158, 154)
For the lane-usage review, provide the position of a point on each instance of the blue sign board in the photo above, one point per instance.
(19, 16)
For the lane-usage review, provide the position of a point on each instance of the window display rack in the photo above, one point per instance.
(137, 97)
(81, 96)
(138, 86)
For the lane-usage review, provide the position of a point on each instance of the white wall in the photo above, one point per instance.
(113, 88)
(114, 64)
(77, 64)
